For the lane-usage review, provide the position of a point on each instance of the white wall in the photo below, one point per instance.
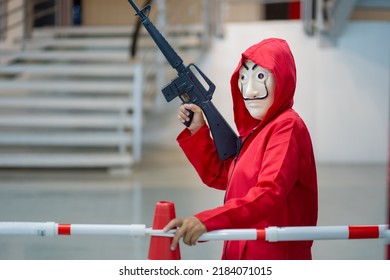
(342, 91)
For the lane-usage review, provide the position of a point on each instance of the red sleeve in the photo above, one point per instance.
(201, 152)
(277, 176)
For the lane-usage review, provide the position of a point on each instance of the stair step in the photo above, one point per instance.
(100, 70)
(147, 55)
(65, 160)
(118, 30)
(83, 30)
(76, 103)
(80, 42)
(95, 86)
(66, 121)
(108, 43)
(98, 56)
(78, 139)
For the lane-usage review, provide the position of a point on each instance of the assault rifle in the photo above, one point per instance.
(189, 86)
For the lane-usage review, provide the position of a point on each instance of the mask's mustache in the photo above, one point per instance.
(260, 97)
(256, 98)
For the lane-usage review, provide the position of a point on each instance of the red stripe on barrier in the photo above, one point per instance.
(360, 232)
(260, 234)
(64, 229)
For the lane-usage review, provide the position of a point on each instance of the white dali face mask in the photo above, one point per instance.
(257, 86)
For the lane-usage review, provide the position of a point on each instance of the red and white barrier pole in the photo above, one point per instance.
(274, 234)
(53, 229)
(271, 234)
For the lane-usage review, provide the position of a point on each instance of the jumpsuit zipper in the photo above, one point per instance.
(240, 144)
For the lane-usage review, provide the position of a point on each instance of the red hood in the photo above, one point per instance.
(275, 55)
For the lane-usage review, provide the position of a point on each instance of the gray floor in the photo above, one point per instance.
(347, 195)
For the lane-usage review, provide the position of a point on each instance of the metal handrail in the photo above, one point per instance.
(12, 11)
(4, 15)
(29, 16)
(135, 34)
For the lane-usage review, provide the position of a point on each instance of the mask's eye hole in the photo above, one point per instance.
(261, 76)
(243, 77)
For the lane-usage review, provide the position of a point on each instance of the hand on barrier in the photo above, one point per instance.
(190, 229)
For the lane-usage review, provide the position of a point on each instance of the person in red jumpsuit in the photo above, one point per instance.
(272, 180)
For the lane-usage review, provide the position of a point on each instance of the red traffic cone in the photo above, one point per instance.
(159, 248)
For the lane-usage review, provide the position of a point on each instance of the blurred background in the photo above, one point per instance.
(87, 137)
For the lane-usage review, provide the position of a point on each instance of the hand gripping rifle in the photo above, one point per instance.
(190, 89)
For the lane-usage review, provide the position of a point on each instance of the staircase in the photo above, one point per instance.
(74, 99)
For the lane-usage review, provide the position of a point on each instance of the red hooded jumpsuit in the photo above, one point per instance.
(272, 181)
